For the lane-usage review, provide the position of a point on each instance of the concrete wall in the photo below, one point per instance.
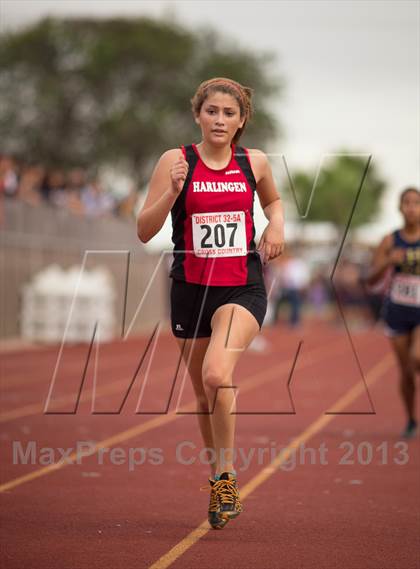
(33, 237)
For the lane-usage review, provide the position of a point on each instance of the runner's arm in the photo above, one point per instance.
(160, 198)
(381, 261)
(272, 239)
(270, 200)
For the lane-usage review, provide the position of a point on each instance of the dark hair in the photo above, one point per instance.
(243, 96)
(408, 190)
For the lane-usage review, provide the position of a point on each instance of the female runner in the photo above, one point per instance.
(399, 253)
(218, 296)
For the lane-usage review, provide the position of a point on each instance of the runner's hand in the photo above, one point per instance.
(179, 171)
(271, 244)
(396, 256)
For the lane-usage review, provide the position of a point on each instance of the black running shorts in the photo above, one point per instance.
(193, 305)
(399, 319)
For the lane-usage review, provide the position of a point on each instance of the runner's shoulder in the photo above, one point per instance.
(259, 161)
(171, 155)
(257, 155)
(387, 241)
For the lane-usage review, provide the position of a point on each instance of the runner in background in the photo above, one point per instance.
(398, 254)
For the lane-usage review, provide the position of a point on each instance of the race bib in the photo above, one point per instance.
(406, 290)
(219, 234)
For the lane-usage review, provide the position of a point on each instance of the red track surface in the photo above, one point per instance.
(302, 515)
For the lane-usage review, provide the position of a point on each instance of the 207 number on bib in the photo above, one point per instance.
(219, 234)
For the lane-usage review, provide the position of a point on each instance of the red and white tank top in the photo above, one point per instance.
(213, 223)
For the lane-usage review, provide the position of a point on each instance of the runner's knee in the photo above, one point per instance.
(406, 377)
(214, 377)
(415, 362)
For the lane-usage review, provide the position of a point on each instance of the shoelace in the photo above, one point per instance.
(227, 491)
(213, 506)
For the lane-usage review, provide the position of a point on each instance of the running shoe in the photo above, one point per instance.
(224, 503)
(215, 519)
(411, 430)
(227, 495)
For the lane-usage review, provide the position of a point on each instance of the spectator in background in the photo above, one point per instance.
(294, 279)
(54, 187)
(319, 292)
(30, 183)
(34, 184)
(96, 202)
(127, 207)
(9, 180)
(76, 184)
(351, 297)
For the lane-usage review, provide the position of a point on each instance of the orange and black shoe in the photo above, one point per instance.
(224, 500)
(215, 519)
(227, 494)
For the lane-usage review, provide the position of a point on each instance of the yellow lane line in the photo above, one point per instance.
(38, 408)
(373, 375)
(254, 380)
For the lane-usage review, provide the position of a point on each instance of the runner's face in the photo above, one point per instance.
(410, 207)
(219, 118)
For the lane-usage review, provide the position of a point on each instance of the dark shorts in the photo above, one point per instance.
(193, 305)
(399, 319)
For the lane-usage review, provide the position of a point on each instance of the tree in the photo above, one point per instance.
(86, 92)
(334, 194)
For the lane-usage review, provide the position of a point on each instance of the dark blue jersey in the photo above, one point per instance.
(401, 309)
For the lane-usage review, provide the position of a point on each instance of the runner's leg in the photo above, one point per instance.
(233, 329)
(415, 362)
(193, 352)
(415, 350)
(401, 344)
